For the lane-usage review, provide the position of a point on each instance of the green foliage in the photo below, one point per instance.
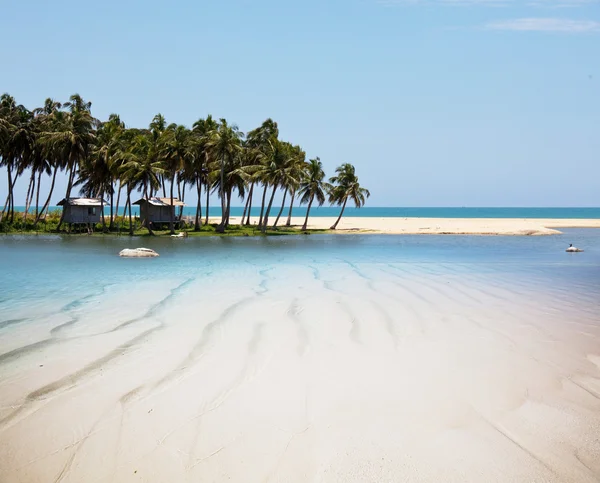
(102, 158)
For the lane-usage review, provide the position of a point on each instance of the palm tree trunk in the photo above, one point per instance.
(228, 208)
(29, 194)
(245, 210)
(162, 178)
(207, 203)
(289, 218)
(5, 206)
(262, 206)
(102, 211)
(182, 198)
(67, 195)
(281, 210)
(172, 211)
(129, 204)
(112, 198)
(339, 217)
(8, 197)
(144, 221)
(198, 222)
(266, 219)
(250, 196)
(307, 212)
(11, 194)
(37, 196)
(47, 203)
(125, 208)
(118, 200)
(12, 198)
(221, 227)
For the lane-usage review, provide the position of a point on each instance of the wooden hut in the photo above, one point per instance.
(158, 210)
(82, 210)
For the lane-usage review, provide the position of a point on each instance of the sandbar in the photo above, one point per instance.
(443, 226)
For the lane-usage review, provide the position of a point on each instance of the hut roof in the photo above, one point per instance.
(161, 202)
(81, 202)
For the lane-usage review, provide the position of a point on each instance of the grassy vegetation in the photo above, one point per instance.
(121, 227)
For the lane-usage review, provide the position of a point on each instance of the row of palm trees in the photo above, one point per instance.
(102, 159)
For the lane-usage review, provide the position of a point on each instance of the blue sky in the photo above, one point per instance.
(436, 102)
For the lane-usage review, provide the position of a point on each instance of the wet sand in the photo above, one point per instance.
(332, 373)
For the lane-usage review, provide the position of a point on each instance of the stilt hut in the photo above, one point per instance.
(82, 210)
(157, 211)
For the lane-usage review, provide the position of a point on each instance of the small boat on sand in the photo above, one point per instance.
(138, 253)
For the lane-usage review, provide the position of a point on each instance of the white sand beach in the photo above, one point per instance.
(446, 226)
(338, 373)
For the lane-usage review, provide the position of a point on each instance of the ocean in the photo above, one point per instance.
(301, 358)
(400, 212)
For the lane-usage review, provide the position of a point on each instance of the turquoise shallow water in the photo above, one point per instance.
(411, 212)
(38, 267)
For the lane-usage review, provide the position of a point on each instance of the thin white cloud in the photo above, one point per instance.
(545, 25)
(492, 3)
(449, 3)
(560, 3)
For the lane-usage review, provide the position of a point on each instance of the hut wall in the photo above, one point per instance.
(158, 214)
(82, 214)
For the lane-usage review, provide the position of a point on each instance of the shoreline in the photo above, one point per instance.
(445, 226)
(382, 226)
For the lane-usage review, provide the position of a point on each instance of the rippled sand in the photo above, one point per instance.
(343, 372)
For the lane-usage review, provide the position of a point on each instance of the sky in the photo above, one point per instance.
(436, 102)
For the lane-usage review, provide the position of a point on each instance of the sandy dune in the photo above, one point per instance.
(454, 226)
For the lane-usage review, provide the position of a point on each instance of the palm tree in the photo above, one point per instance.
(53, 121)
(200, 162)
(248, 161)
(8, 108)
(27, 153)
(141, 170)
(44, 160)
(148, 170)
(157, 128)
(345, 186)
(279, 171)
(297, 172)
(95, 179)
(258, 146)
(225, 145)
(313, 187)
(175, 152)
(236, 178)
(128, 177)
(99, 158)
(110, 147)
(17, 145)
(75, 138)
